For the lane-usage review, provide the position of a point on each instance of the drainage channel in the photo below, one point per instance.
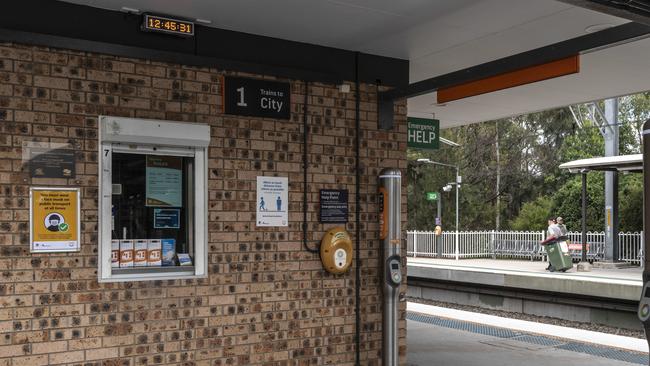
(586, 348)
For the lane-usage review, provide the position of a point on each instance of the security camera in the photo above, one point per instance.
(446, 188)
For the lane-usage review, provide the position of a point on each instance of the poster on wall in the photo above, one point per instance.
(164, 181)
(333, 206)
(54, 220)
(272, 201)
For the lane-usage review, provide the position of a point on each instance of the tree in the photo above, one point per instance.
(631, 204)
(530, 149)
(567, 202)
(533, 215)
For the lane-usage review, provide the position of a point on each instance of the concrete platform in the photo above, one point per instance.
(439, 336)
(622, 284)
(430, 345)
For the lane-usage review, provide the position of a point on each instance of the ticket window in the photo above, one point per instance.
(152, 200)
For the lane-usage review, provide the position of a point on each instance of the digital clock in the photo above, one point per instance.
(155, 23)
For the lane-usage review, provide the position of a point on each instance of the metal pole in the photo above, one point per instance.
(439, 203)
(457, 189)
(584, 216)
(611, 137)
(390, 225)
(437, 238)
(646, 214)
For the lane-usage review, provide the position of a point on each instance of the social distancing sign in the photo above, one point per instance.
(54, 219)
(272, 201)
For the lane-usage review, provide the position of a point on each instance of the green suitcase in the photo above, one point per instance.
(558, 256)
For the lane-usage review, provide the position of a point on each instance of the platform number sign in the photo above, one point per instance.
(256, 98)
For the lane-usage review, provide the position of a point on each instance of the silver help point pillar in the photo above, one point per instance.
(390, 190)
(644, 302)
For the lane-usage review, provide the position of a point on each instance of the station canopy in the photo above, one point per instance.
(439, 37)
(624, 163)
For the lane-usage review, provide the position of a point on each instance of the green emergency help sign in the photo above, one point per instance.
(423, 133)
(432, 196)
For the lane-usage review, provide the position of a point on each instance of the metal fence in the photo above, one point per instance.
(516, 244)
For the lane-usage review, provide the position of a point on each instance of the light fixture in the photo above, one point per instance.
(130, 10)
(203, 21)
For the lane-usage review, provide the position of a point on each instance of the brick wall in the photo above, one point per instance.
(266, 300)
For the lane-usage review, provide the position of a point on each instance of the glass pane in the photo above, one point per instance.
(151, 211)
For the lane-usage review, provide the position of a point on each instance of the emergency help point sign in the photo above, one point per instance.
(54, 220)
(423, 133)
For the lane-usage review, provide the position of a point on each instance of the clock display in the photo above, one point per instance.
(154, 23)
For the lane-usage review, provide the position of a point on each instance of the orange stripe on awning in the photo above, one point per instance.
(565, 66)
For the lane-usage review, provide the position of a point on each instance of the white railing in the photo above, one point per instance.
(630, 247)
(516, 244)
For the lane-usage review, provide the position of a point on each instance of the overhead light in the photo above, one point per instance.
(204, 21)
(598, 27)
(423, 160)
(449, 142)
(130, 10)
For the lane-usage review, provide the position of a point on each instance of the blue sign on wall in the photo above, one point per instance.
(166, 218)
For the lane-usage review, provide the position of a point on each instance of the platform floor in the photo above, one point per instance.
(633, 273)
(440, 336)
(432, 345)
(624, 284)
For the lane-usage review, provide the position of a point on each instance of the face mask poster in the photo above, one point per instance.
(54, 220)
(272, 197)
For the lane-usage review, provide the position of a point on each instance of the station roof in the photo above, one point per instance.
(628, 163)
(438, 37)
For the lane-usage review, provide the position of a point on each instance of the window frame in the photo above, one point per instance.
(107, 146)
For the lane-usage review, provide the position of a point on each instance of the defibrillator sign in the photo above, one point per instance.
(54, 220)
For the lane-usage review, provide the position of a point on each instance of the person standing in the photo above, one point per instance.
(552, 233)
(560, 224)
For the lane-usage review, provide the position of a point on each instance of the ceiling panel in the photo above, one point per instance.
(566, 24)
(610, 72)
(438, 37)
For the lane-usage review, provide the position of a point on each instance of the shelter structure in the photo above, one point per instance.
(621, 163)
